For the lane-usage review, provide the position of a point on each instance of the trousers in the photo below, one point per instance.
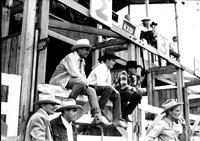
(108, 93)
(79, 87)
(129, 100)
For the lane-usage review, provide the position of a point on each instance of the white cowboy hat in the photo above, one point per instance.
(47, 98)
(170, 104)
(68, 104)
(81, 43)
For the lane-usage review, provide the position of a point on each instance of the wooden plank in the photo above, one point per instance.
(76, 6)
(186, 113)
(111, 42)
(163, 69)
(75, 35)
(3, 54)
(193, 83)
(59, 25)
(43, 19)
(5, 22)
(26, 58)
(13, 56)
(8, 46)
(61, 37)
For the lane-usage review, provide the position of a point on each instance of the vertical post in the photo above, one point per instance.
(186, 115)
(177, 34)
(147, 7)
(26, 58)
(44, 6)
(5, 21)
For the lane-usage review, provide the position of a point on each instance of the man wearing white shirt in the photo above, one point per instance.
(100, 80)
(70, 74)
(63, 127)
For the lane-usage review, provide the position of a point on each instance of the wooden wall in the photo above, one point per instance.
(10, 52)
(160, 96)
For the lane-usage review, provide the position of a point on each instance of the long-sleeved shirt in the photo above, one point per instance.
(69, 67)
(164, 130)
(100, 76)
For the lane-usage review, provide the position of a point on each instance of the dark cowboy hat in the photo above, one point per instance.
(170, 104)
(81, 43)
(47, 98)
(153, 23)
(145, 19)
(132, 64)
(108, 55)
(68, 104)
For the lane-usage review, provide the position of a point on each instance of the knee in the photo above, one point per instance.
(91, 91)
(138, 96)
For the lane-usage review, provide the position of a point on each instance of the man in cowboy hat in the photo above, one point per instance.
(63, 127)
(100, 80)
(70, 73)
(127, 83)
(38, 127)
(166, 128)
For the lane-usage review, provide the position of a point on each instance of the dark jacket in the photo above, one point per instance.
(59, 130)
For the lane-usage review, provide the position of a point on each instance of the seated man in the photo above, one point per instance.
(70, 73)
(100, 79)
(127, 84)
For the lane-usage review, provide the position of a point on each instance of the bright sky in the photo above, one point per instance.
(188, 26)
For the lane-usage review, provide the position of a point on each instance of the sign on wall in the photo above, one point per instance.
(163, 46)
(101, 10)
(10, 107)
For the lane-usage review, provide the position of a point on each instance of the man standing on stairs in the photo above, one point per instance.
(63, 127)
(100, 80)
(70, 74)
(127, 83)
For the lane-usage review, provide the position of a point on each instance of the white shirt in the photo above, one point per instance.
(68, 126)
(100, 76)
(68, 67)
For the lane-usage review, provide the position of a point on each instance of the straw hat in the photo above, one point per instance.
(170, 104)
(68, 104)
(47, 98)
(81, 43)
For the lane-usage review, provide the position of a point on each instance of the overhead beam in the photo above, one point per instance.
(193, 83)
(111, 42)
(163, 70)
(59, 25)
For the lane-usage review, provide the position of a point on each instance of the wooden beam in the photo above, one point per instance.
(61, 37)
(163, 69)
(43, 19)
(58, 25)
(111, 42)
(76, 6)
(193, 83)
(5, 22)
(26, 59)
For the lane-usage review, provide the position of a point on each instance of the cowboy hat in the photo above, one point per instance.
(132, 64)
(170, 104)
(68, 104)
(81, 43)
(47, 98)
(108, 55)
